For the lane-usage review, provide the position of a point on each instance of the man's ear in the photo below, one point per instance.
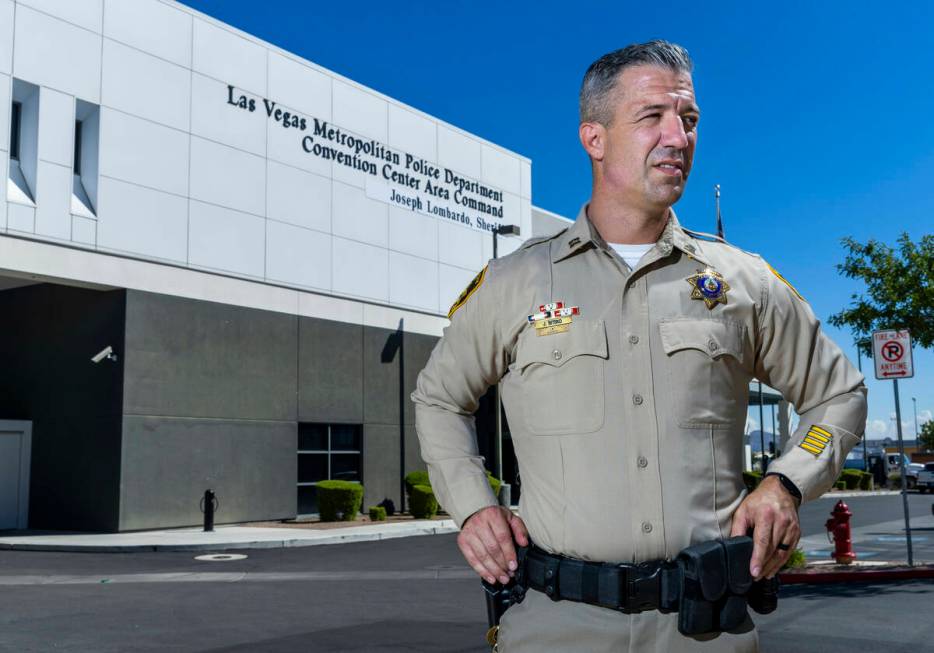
(593, 138)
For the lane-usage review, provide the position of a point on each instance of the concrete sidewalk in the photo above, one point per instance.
(223, 537)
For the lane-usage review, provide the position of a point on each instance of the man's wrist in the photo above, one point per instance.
(788, 485)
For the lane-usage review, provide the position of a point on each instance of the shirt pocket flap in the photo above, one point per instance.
(584, 337)
(714, 337)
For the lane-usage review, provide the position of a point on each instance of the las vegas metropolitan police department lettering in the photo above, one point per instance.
(395, 177)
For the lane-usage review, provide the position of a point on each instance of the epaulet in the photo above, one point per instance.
(712, 238)
(541, 239)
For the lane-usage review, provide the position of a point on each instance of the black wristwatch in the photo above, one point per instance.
(787, 483)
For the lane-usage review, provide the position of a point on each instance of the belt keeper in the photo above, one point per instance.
(552, 569)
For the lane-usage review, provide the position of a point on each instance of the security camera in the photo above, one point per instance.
(107, 352)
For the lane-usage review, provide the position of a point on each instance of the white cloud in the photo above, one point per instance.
(924, 416)
(878, 427)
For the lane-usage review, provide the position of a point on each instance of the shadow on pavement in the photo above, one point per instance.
(383, 636)
(850, 590)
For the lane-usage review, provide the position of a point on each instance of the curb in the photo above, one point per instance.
(891, 575)
(444, 527)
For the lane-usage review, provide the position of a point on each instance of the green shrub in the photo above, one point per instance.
(418, 477)
(796, 560)
(840, 485)
(377, 513)
(752, 480)
(422, 502)
(851, 478)
(495, 483)
(895, 481)
(339, 500)
(865, 481)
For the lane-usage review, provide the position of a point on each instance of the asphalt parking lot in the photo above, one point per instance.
(411, 594)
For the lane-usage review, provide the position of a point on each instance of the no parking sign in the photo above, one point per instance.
(891, 351)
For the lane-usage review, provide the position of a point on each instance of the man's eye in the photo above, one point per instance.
(690, 121)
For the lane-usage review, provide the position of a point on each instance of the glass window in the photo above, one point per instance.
(345, 437)
(327, 451)
(14, 130)
(312, 437)
(346, 466)
(77, 147)
(312, 467)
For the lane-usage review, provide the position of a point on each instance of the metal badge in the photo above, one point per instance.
(547, 331)
(710, 286)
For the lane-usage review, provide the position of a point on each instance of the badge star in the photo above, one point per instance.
(710, 286)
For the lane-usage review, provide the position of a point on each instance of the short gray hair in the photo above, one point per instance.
(600, 79)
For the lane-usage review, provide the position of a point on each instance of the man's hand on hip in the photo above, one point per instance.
(486, 540)
(771, 512)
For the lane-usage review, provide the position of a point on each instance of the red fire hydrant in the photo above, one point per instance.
(839, 526)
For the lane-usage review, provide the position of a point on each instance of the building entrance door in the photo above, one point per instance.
(15, 453)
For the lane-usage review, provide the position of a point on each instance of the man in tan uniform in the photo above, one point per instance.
(626, 384)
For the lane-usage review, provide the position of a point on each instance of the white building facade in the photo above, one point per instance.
(215, 208)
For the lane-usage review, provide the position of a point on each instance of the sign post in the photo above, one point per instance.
(891, 351)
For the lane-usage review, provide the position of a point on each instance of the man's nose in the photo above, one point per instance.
(673, 134)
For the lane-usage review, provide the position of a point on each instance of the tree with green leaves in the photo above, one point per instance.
(926, 436)
(899, 291)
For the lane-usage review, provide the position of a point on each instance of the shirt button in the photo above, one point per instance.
(643, 461)
(637, 400)
(556, 354)
(713, 346)
(646, 527)
(633, 339)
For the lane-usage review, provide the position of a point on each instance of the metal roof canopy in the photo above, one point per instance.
(770, 396)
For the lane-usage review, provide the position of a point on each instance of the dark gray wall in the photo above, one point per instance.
(204, 395)
(169, 462)
(47, 337)
(209, 402)
(214, 394)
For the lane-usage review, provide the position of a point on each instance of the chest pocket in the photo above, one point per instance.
(706, 380)
(560, 379)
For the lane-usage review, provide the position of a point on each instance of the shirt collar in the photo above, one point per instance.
(582, 235)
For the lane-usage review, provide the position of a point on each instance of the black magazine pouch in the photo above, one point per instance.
(704, 582)
(732, 605)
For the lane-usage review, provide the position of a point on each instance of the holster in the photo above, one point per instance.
(499, 597)
(716, 585)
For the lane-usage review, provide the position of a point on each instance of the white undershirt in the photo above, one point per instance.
(632, 253)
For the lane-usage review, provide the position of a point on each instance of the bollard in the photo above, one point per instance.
(505, 495)
(209, 504)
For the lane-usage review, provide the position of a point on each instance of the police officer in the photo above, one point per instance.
(625, 346)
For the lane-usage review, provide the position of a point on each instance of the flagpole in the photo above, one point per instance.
(719, 220)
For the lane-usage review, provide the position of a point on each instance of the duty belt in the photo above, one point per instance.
(708, 584)
(629, 588)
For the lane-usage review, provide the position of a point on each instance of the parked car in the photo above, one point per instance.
(893, 468)
(925, 481)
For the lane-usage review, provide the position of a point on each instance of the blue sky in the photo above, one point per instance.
(817, 118)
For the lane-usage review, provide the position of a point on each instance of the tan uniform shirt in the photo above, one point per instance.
(628, 426)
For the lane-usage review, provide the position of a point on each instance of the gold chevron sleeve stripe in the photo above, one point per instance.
(818, 436)
(815, 443)
(808, 447)
(822, 431)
